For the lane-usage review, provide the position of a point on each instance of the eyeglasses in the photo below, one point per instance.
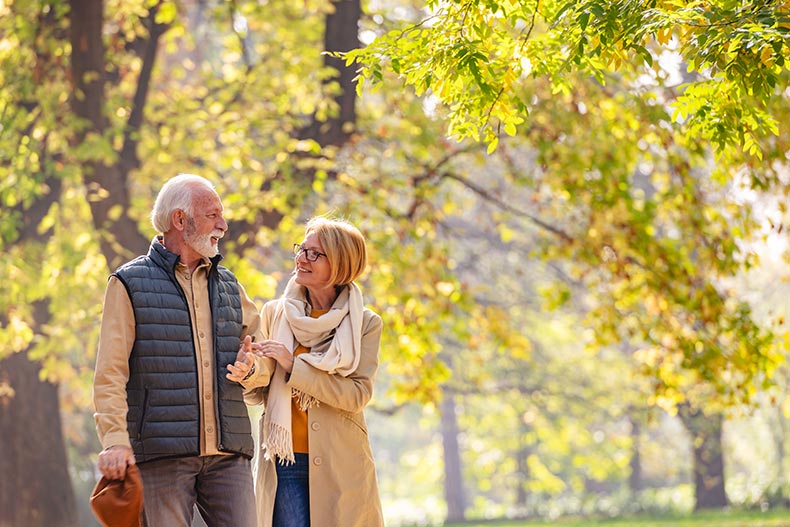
(311, 254)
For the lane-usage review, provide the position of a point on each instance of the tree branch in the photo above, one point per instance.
(487, 196)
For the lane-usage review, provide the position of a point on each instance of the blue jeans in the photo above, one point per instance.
(292, 501)
(220, 486)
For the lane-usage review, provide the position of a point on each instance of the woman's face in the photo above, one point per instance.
(312, 275)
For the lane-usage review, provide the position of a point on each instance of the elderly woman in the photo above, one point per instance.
(315, 467)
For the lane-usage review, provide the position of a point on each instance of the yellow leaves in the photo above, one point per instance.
(48, 221)
(16, 335)
(664, 36)
(734, 45)
(655, 305)
(506, 234)
(493, 143)
(445, 288)
(767, 56)
(6, 393)
(617, 55)
(115, 212)
(543, 480)
(509, 77)
(668, 400)
(166, 13)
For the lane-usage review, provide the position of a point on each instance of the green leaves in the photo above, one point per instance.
(714, 110)
(471, 56)
(466, 55)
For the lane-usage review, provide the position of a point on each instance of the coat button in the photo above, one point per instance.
(315, 426)
(317, 461)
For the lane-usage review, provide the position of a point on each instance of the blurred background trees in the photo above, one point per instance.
(581, 279)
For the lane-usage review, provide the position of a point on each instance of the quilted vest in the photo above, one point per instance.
(162, 391)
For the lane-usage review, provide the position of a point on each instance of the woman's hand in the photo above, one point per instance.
(278, 352)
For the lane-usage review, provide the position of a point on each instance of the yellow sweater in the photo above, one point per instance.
(299, 416)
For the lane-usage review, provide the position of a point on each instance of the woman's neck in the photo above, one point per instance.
(322, 298)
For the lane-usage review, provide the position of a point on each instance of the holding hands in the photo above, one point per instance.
(244, 366)
(277, 351)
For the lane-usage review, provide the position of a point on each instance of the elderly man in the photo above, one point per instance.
(174, 358)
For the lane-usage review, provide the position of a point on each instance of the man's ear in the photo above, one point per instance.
(179, 219)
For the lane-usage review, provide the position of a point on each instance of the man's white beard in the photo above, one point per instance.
(201, 244)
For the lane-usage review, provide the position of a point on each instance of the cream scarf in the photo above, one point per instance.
(334, 340)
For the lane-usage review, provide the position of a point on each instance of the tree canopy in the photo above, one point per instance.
(650, 120)
(476, 56)
(619, 143)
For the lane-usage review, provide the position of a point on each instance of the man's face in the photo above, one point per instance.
(207, 226)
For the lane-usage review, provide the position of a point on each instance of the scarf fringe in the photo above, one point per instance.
(278, 444)
(336, 336)
(304, 400)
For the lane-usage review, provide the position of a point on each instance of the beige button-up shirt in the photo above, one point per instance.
(115, 346)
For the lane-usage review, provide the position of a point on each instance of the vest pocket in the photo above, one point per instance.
(142, 415)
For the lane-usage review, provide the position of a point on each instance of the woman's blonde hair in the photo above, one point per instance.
(344, 246)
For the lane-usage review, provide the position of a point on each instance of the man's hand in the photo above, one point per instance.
(245, 360)
(114, 460)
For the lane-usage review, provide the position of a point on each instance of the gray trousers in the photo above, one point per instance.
(219, 487)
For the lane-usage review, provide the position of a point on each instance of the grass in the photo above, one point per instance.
(779, 518)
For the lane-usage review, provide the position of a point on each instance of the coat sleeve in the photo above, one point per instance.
(251, 322)
(256, 393)
(351, 393)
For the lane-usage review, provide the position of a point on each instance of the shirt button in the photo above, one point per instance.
(207, 396)
(210, 429)
(315, 426)
(187, 276)
(202, 335)
(206, 364)
(317, 461)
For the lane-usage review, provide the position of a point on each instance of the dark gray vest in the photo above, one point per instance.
(162, 392)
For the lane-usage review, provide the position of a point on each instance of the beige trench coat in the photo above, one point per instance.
(343, 487)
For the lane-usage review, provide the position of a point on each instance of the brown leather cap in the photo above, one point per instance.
(119, 503)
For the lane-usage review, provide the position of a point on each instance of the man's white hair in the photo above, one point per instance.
(176, 194)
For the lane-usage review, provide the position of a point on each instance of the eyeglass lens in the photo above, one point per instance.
(311, 254)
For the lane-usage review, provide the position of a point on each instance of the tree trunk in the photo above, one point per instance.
(780, 477)
(120, 236)
(36, 490)
(706, 437)
(780, 436)
(525, 449)
(635, 477)
(523, 475)
(341, 34)
(453, 479)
